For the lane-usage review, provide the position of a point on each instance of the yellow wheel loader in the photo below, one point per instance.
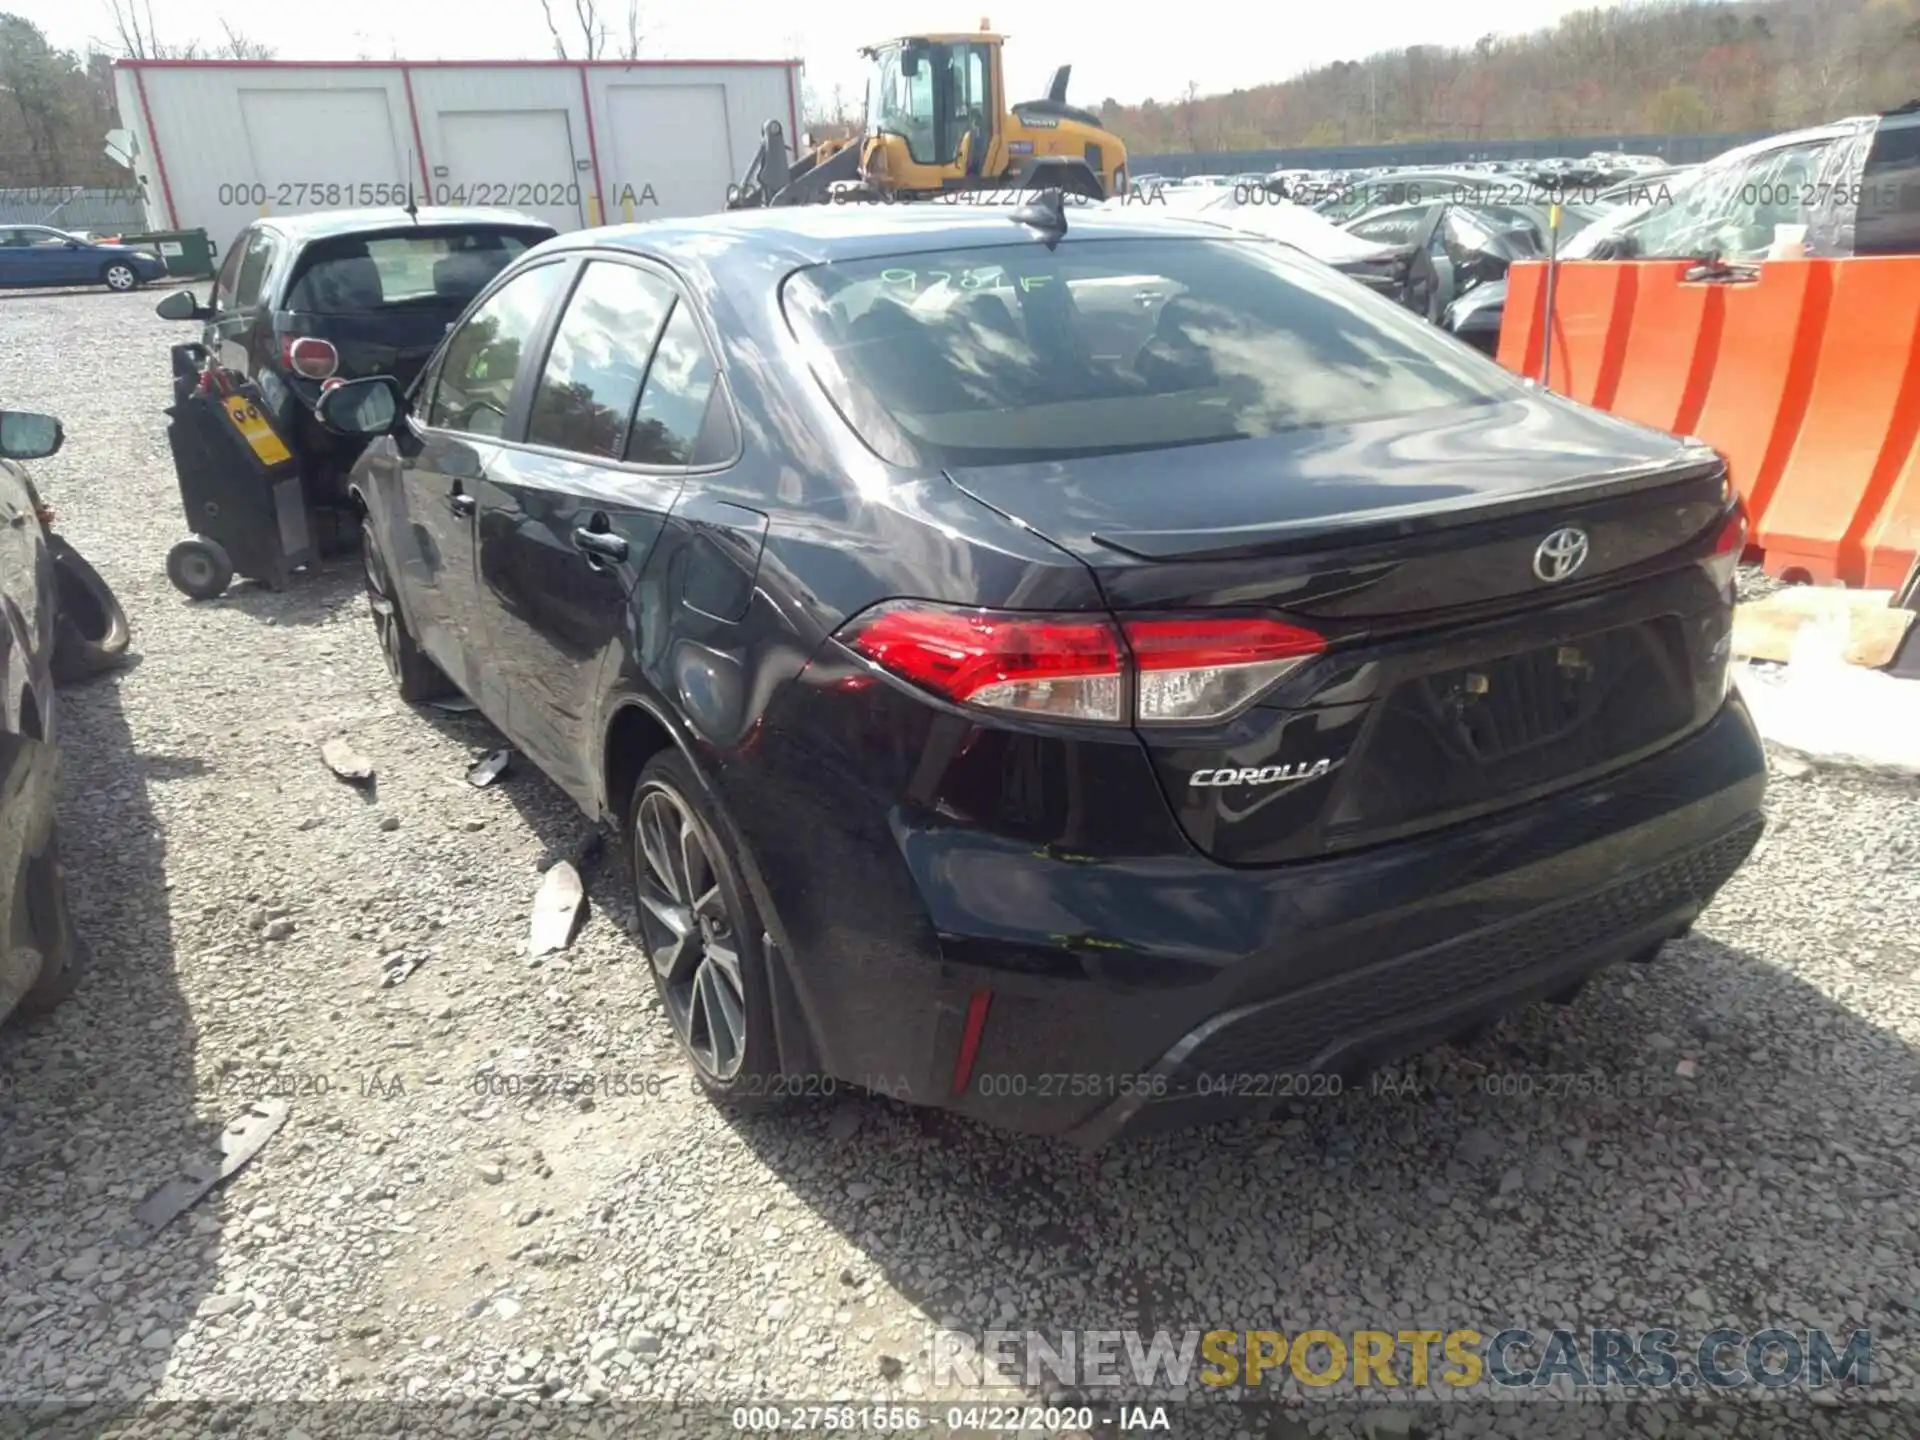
(938, 123)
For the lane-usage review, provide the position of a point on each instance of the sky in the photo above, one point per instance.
(1220, 44)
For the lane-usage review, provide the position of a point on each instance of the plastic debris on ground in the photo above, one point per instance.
(346, 762)
(556, 910)
(1820, 706)
(395, 969)
(1871, 627)
(489, 768)
(243, 1139)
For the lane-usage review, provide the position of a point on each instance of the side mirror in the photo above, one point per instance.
(26, 436)
(362, 407)
(181, 305)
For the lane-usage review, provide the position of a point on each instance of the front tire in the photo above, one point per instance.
(701, 935)
(120, 277)
(415, 676)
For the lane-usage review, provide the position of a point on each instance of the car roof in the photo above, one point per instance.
(793, 236)
(322, 224)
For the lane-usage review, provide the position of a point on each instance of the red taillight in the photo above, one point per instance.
(307, 355)
(1175, 670)
(1065, 666)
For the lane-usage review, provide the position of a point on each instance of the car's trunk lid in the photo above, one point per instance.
(1457, 678)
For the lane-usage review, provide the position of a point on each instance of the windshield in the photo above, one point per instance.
(1673, 200)
(1011, 354)
(356, 273)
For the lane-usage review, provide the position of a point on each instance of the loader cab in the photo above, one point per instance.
(933, 111)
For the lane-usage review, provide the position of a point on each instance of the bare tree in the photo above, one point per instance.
(630, 47)
(593, 33)
(137, 38)
(239, 47)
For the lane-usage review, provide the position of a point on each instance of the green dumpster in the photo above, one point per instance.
(188, 253)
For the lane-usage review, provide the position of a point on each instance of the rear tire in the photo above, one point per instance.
(90, 628)
(199, 568)
(701, 935)
(415, 676)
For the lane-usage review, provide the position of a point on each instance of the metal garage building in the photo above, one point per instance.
(578, 143)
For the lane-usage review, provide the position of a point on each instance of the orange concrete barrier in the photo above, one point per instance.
(1807, 376)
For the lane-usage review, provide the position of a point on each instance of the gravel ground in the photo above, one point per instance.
(409, 1235)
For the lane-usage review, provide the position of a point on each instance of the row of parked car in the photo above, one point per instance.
(1442, 238)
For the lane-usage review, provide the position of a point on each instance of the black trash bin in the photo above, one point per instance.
(239, 483)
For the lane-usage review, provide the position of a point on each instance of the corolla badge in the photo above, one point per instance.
(1560, 554)
(1261, 774)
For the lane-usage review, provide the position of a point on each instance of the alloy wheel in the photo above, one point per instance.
(386, 615)
(119, 277)
(690, 933)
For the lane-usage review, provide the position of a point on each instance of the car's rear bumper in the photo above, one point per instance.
(1096, 997)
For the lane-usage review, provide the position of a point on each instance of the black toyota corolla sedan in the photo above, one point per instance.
(1084, 670)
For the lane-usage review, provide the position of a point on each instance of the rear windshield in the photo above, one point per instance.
(356, 273)
(1011, 354)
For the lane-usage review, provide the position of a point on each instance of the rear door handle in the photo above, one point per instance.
(600, 544)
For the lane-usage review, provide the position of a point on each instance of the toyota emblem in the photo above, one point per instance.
(1560, 554)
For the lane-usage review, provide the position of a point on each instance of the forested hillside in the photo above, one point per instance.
(1637, 68)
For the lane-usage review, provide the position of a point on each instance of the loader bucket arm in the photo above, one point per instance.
(767, 173)
(773, 179)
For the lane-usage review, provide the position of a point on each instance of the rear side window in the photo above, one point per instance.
(598, 359)
(1889, 219)
(674, 403)
(1013, 354)
(353, 274)
(485, 355)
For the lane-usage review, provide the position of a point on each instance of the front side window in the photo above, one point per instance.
(253, 270)
(598, 359)
(1013, 354)
(484, 356)
(227, 281)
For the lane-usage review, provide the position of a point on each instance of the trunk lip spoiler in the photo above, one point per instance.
(1286, 537)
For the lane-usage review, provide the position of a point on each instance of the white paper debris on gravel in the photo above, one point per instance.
(1819, 705)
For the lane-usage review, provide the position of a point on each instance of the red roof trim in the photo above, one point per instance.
(454, 64)
(593, 149)
(159, 161)
(419, 145)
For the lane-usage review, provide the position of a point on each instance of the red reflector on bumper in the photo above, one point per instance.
(970, 1039)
